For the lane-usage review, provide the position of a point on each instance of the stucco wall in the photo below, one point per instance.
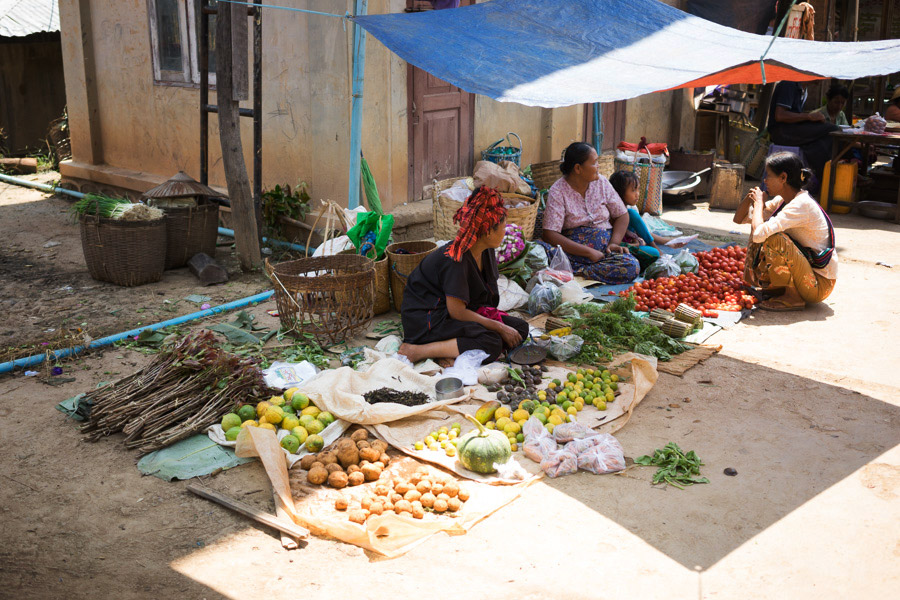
(154, 128)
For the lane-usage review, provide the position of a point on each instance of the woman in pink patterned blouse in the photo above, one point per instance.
(587, 219)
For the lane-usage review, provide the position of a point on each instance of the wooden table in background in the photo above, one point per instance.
(842, 142)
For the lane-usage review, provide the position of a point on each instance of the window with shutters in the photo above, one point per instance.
(173, 40)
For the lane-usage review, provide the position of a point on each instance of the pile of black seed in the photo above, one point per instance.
(389, 395)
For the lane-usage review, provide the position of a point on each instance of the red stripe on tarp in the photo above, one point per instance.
(750, 73)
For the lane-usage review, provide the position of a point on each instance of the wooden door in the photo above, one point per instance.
(613, 124)
(441, 130)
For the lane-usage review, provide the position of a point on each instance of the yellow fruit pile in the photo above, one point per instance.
(292, 411)
(444, 438)
(558, 403)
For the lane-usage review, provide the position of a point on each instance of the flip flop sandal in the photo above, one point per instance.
(775, 305)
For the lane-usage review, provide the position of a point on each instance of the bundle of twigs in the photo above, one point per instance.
(183, 391)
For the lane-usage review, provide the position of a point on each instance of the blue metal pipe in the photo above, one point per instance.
(279, 243)
(37, 359)
(40, 186)
(359, 67)
(598, 128)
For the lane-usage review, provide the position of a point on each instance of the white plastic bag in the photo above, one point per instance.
(566, 432)
(574, 293)
(658, 226)
(282, 375)
(538, 441)
(559, 463)
(686, 261)
(599, 454)
(566, 346)
(457, 193)
(389, 344)
(512, 296)
(334, 246)
(544, 297)
(493, 373)
(465, 367)
(664, 266)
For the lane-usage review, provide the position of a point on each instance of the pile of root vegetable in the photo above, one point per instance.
(186, 388)
(717, 285)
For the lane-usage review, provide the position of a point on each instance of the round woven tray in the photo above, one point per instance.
(402, 265)
(126, 253)
(329, 297)
(190, 231)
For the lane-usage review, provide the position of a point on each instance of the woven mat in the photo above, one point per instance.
(680, 364)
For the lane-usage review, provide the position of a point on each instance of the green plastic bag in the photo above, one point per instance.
(381, 225)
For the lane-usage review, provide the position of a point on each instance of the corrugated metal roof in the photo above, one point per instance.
(24, 17)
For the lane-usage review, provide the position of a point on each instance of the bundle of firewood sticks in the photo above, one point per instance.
(186, 388)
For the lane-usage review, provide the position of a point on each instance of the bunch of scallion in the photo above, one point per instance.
(100, 205)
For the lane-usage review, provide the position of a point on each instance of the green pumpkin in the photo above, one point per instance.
(478, 450)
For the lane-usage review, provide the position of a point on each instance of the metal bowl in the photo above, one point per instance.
(674, 176)
(876, 210)
(449, 387)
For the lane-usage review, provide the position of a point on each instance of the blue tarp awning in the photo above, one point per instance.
(561, 52)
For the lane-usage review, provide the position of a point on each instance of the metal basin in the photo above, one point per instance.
(686, 186)
(449, 387)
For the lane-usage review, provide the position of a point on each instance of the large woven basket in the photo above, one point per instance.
(545, 174)
(649, 186)
(444, 208)
(382, 284)
(190, 231)
(328, 297)
(401, 265)
(126, 253)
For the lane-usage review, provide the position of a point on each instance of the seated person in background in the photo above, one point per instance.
(892, 112)
(450, 300)
(586, 218)
(791, 240)
(790, 126)
(833, 110)
(639, 240)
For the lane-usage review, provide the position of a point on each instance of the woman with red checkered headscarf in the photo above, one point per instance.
(450, 300)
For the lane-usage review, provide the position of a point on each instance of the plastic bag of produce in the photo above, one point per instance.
(664, 266)
(536, 258)
(565, 347)
(544, 297)
(511, 295)
(567, 310)
(599, 454)
(686, 261)
(559, 463)
(538, 441)
(566, 432)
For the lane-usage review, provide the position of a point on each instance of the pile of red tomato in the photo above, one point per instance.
(716, 285)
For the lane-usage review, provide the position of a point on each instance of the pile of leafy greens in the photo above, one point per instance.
(676, 467)
(614, 328)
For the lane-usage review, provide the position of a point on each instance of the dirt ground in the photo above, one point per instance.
(805, 406)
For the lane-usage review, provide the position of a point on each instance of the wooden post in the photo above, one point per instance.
(246, 233)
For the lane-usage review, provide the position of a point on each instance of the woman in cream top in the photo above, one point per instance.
(791, 241)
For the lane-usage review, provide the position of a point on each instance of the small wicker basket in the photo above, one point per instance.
(444, 208)
(403, 258)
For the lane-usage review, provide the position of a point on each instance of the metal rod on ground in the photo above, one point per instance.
(359, 65)
(37, 359)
